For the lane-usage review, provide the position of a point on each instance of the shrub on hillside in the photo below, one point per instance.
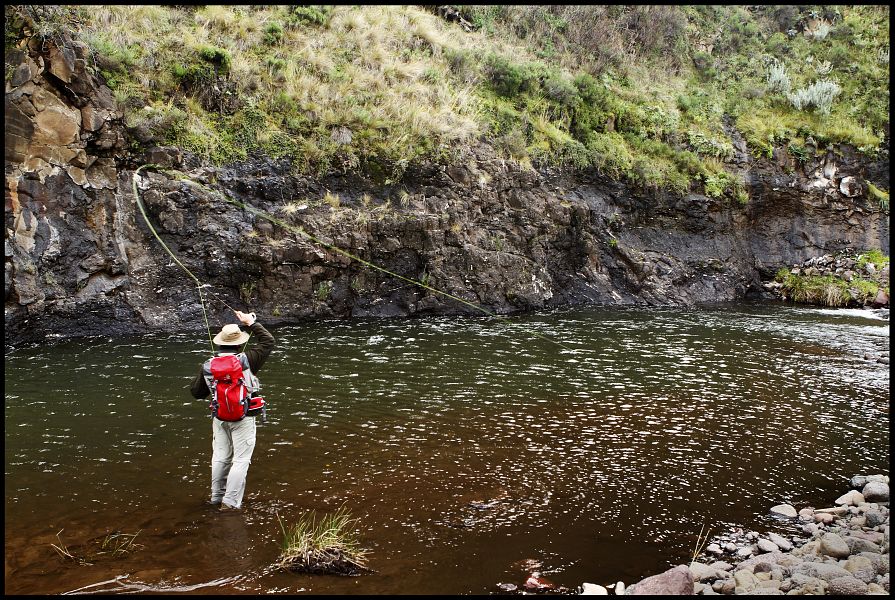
(560, 90)
(462, 63)
(819, 95)
(509, 79)
(308, 15)
(838, 55)
(219, 57)
(273, 33)
(610, 154)
(778, 80)
(505, 77)
(779, 45)
(155, 124)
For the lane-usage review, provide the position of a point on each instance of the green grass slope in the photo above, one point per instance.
(648, 94)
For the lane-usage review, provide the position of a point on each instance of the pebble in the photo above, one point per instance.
(824, 518)
(856, 563)
(780, 541)
(767, 545)
(857, 545)
(745, 581)
(852, 498)
(784, 510)
(821, 570)
(876, 491)
(593, 589)
(833, 545)
(836, 510)
(880, 562)
(874, 518)
(847, 586)
(702, 572)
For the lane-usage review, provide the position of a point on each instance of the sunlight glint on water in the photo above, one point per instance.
(464, 446)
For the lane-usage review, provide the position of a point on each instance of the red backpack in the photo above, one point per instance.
(230, 396)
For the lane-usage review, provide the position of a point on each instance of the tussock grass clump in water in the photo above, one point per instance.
(328, 546)
(113, 545)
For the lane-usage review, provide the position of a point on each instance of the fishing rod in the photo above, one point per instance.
(301, 231)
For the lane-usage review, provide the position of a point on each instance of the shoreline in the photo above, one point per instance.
(842, 549)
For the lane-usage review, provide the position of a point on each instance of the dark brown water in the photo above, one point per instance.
(464, 447)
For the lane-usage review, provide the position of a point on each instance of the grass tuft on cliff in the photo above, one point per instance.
(650, 94)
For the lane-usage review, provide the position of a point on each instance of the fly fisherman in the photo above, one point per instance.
(230, 378)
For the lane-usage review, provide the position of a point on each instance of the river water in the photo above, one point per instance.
(466, 448)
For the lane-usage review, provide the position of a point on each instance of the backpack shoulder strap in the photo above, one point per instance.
(251, 379)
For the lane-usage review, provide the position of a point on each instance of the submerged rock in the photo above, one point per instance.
(508, 587)
(536, 582)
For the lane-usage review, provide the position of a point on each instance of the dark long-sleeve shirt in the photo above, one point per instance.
(257, 357)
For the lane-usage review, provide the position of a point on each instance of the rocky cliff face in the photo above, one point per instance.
(81, 261)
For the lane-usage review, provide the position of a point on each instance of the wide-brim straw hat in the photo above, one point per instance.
(231, 335)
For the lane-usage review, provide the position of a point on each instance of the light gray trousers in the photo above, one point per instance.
(232, 444)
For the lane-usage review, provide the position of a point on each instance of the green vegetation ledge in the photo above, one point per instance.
(849, 278)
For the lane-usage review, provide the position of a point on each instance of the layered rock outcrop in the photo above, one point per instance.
(80, 260)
